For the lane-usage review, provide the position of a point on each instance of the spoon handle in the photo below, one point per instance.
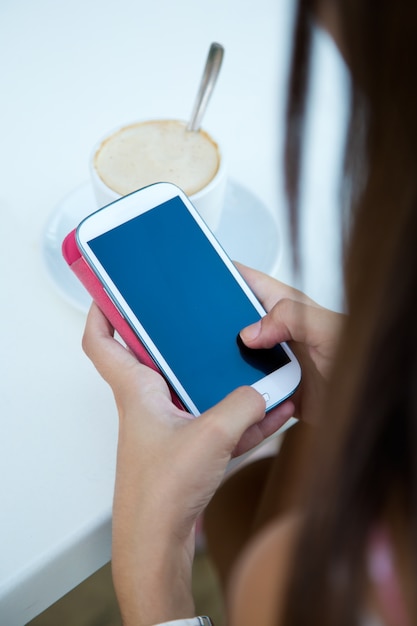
(208, 80)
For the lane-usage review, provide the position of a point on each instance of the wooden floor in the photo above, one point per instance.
(93, 603)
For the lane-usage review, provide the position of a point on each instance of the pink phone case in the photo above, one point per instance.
(82, 270)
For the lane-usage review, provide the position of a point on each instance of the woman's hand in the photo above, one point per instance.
(311, 330)
(168, 467)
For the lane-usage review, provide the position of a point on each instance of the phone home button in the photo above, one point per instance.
(266, 397)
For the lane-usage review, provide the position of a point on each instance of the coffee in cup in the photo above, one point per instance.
(143, 153)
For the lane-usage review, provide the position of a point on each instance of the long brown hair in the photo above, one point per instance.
(366, 450)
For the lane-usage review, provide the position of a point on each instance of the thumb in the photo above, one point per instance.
(229, 419)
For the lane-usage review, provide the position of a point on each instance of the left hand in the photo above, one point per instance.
(168, 467)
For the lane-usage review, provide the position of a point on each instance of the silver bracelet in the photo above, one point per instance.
(201, 620)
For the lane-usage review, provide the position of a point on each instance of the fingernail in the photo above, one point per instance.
(251, 332)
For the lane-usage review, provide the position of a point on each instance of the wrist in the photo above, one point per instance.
(153, 579)
(201, 620)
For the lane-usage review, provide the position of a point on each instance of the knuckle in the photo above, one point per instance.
(85, 343)
(287, 306)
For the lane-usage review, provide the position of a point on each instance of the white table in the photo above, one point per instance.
(70, 72)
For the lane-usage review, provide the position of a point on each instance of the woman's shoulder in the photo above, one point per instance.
(258, 586)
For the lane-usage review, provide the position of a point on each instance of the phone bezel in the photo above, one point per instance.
(275, 387)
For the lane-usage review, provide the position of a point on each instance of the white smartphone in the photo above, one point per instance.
(176, 287)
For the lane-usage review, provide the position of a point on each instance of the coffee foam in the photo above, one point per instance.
(156, 151)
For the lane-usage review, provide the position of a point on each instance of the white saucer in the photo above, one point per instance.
(247, 231)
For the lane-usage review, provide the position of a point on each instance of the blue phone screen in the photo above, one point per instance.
(189, 303)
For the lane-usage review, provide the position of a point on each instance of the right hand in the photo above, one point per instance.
(311, 330)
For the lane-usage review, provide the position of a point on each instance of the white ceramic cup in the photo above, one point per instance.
(142, 153)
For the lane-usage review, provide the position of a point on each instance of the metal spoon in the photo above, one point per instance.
(208, 80)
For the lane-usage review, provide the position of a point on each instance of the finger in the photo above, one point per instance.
(289, 320)
(109, 357)
(269, 290)
(272, 422)
(97, 320)
(98, 338)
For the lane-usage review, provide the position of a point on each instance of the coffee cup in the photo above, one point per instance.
(147, 152)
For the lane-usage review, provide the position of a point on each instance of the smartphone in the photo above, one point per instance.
(183, 297)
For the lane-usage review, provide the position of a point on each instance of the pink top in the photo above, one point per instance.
(384, 578)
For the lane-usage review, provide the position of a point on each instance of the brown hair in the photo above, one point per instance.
(366, 449)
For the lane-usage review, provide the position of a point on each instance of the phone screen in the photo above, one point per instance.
(187, 300)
